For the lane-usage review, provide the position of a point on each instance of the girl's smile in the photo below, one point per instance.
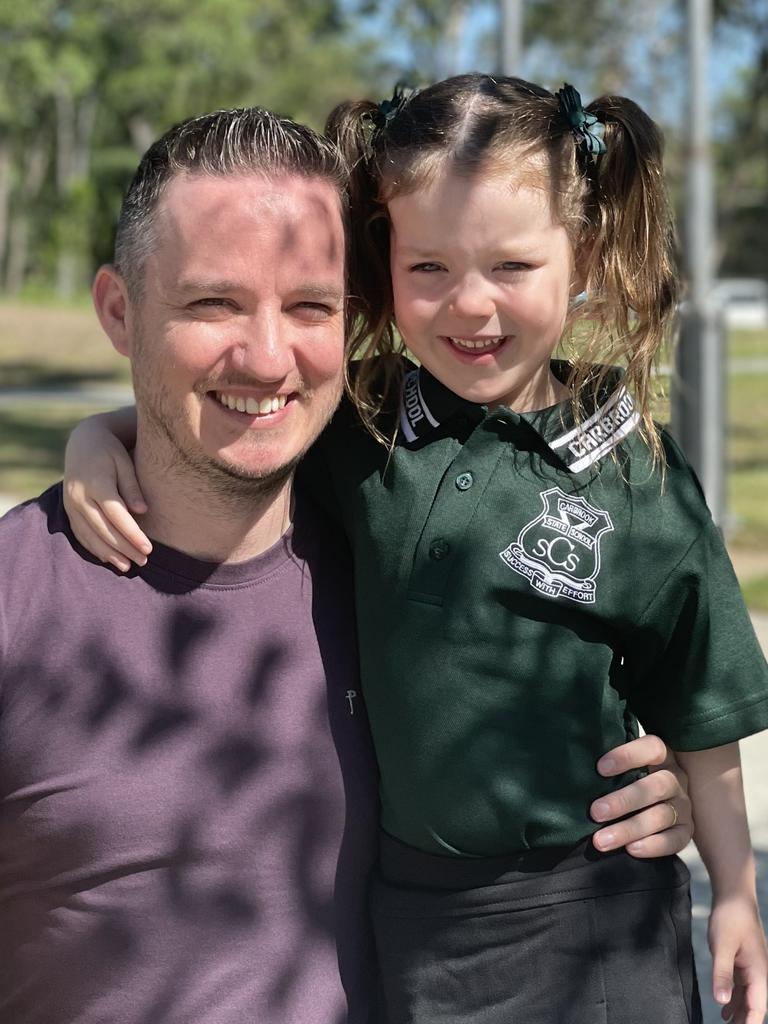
(481, 276)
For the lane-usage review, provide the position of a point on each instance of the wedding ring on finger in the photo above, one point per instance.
(675, 817)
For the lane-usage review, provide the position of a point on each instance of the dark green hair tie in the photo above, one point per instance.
(377, 121)
(586, 129)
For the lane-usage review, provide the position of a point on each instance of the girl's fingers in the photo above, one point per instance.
(92, 542)
(756, 996)
(120, 519)
(722, 974)
(128, 485)
(107, 533)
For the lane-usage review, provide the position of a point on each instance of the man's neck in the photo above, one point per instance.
(206, 522)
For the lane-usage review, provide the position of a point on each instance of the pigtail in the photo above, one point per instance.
(373, 343)
(629, 250)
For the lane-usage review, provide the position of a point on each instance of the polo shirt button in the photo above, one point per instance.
(439, 549)
(464, 481)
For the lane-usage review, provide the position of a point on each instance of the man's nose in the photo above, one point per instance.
(266, 351)
(472, 297)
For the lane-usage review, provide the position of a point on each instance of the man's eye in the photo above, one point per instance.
(315, 310)
(210, 302)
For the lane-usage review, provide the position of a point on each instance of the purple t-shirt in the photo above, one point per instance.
(187, 790)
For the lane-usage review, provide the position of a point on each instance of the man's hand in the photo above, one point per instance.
(661, 822)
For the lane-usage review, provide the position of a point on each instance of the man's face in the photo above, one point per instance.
(237, 342)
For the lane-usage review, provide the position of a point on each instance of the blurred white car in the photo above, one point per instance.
(744, 301)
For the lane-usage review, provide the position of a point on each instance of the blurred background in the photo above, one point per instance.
(86, 85)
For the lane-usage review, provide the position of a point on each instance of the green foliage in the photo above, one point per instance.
(93, 82)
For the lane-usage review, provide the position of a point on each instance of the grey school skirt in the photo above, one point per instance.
(556, 936)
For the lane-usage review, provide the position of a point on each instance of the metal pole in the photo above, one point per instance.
(698, 391)
(511, 36)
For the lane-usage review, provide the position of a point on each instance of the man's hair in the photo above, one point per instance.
(226, 142)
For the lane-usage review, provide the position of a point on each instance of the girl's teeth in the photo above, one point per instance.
(251, 406)
(480, 343)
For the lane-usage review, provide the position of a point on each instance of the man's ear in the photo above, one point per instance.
(110, 299)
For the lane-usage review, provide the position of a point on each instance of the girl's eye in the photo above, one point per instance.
(426, 268)
(509, 266)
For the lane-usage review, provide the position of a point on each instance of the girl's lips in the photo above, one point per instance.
(472, 349)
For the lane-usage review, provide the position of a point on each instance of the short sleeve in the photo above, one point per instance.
(696, 673)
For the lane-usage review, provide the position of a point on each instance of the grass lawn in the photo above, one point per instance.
(43, 345)
(48, 346)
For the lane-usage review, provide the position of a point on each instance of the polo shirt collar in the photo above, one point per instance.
(608, 418)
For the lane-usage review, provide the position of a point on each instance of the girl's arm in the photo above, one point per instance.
(101, 490)
(721, 833)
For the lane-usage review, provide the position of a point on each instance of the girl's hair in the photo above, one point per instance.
(614, 208)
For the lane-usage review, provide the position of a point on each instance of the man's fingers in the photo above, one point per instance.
(652, 789)
(663, 844)
(660, 818)
(639, 753)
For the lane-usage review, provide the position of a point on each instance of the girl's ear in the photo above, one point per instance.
(110, 299)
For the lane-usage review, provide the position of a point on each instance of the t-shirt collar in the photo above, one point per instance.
(607, 418)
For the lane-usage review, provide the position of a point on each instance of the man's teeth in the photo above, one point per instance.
(473, 344)
(253, 406)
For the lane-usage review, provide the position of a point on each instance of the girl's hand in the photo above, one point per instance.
(660, 822)
(100, 493)
(740, 960)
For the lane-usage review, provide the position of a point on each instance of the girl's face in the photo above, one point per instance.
(482, 275)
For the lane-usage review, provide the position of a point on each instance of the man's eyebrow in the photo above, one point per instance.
(319, 291)
(306, 289)
(212, 287)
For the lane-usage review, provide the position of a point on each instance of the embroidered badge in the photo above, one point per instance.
(558, 552)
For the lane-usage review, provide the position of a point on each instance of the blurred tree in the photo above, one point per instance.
(88, 84)
(742, 148)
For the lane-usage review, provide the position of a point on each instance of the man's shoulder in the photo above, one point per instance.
(33, 529)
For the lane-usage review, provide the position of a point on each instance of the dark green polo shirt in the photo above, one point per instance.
(526, 590)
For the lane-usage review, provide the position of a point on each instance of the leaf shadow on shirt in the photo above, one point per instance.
(205, 764)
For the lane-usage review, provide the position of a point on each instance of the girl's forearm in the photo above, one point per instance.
(120, 422)
(721, 832)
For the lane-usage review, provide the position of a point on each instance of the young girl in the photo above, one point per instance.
(536, 565)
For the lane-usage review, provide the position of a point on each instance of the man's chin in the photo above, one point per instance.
(247, 478)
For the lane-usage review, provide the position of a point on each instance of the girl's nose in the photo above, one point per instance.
(472, 298)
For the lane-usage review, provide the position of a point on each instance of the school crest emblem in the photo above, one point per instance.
(558, 552)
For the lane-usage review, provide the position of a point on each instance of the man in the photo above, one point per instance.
(188, 793)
